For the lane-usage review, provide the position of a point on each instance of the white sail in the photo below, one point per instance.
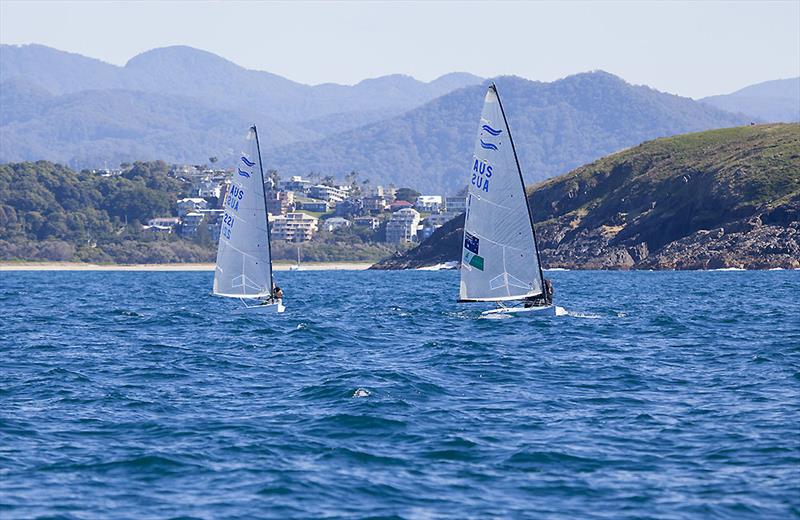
(499, 260)
(244, 266)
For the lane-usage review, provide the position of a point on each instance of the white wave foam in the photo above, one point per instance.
(439, 267)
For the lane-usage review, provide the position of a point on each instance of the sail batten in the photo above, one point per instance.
(244, 265)
(499, 258)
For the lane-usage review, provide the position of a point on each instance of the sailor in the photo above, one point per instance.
(277, 293)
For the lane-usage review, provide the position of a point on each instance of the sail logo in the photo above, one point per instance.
(248, 162)
(491, 130)
(472, 246)
(488, 146)
(243, 173)
(481, 172)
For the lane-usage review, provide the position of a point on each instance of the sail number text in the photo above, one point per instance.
(234, 197)
(481, 171)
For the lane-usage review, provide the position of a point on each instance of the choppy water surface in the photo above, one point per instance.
(658, 395)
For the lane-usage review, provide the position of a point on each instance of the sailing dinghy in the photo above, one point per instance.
(244, 260)
(500, 260)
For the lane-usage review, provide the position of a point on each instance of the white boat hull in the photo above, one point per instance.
(548, 310)
(269, 308)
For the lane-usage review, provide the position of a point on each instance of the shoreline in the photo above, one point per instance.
(81, 266)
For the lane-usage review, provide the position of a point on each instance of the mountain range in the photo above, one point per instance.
(777, 100)
(181, 104)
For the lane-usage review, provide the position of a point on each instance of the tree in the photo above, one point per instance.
(213, 159)
(328, 180)
(407, 194)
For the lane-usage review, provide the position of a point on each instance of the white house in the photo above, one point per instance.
(328, 193)
(403, 226)
(294, 227)
(186, 206)
(335, 223)
(429, 203)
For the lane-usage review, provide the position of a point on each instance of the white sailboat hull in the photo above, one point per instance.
(547, 310)
(269, 308)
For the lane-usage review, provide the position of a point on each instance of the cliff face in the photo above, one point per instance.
(723, 198)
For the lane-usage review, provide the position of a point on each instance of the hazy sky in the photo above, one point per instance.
(688, 48)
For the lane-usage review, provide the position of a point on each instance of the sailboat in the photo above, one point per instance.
(296, 267)
(500, 260)
(244, 260)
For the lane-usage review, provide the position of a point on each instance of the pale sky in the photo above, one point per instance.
(693, 49)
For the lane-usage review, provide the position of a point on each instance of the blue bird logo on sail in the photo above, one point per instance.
(243, 173)
(248, 163)
(488, 146)
(492, 130)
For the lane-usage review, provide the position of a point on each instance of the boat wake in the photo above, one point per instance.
(444, 266)
(561, 311)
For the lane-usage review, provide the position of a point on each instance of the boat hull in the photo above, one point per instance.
(547, 310)
(270, 308)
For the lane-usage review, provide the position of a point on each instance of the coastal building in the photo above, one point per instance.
(328, 193)
(294, 227)
(296, 184)
(161, 226)
(399, 204)
(375, 203)
(315, 206)
(375, 191)
(188, 205)
(350, 207)
(455, 205)
(157, 231)
(190, 223)
(207, 188)
(169, 222)
(334, 223)
(280, 202)
(429, 203)
(403, 226)
(370, 222)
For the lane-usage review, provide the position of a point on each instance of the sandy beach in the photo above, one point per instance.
(79, 266)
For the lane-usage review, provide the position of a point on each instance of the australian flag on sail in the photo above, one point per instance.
(471, 242)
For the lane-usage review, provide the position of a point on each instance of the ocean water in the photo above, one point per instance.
(657, 395)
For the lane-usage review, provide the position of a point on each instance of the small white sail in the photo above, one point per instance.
(499, 260)
(244, 266)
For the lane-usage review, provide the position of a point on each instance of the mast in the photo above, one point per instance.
(522, 181)
(266, 213)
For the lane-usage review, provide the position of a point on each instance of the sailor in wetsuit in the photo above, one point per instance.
(277, 295)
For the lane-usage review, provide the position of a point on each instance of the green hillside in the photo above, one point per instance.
(721, 198)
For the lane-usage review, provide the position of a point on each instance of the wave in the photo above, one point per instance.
(488, 146)
(247, 162)
(243, 173)
(453, 264)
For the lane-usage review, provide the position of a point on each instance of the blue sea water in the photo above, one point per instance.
(658, 395)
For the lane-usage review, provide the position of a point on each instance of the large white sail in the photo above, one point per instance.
(244, 266)
(499, 260)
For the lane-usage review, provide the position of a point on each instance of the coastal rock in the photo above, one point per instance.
(714, 200)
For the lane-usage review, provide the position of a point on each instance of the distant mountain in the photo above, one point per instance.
(556, 126)
(220, 83)
(771, 101)
(177, 101)
(716, 199)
